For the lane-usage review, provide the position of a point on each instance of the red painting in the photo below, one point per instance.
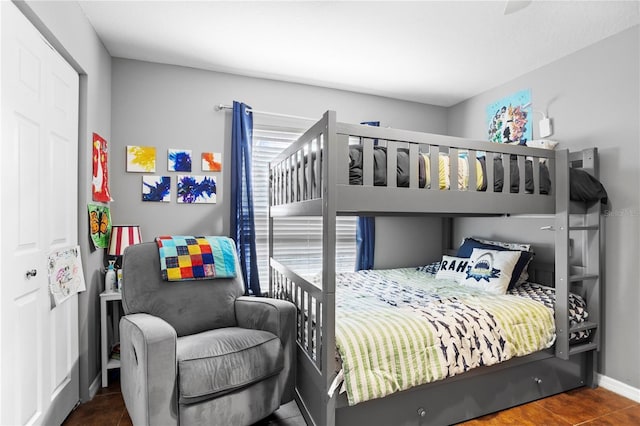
(100, 180)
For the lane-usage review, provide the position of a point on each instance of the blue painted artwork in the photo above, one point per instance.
(179, 160)
(196, 189)
(156, 188)
(508, 119)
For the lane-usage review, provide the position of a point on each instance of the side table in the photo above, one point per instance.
(108, 363)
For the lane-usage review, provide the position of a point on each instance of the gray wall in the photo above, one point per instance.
(173, 107)
(67, 29)
(593, 98)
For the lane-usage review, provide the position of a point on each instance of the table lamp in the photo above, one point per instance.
(122, 236)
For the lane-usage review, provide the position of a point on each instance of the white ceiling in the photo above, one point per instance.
(435, 52)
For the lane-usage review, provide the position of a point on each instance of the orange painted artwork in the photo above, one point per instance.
(211, 162)
(141, 158)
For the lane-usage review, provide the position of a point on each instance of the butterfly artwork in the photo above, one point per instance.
(99, 225)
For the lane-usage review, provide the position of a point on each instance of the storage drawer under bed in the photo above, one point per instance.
(484, 390)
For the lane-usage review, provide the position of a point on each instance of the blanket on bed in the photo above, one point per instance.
(392, 336)
(196, 258)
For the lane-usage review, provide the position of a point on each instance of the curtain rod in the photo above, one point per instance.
(220, 107)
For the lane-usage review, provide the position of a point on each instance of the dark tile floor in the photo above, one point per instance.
(107, 409)
(584, 407)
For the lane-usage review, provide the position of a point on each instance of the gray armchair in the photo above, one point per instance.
(198, 352)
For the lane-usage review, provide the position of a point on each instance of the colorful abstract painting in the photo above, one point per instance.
(196, 189)
(65, 274)
(99, 225)
(508, 119)
(179, 160)
(211, 162)
(141, 159)
(100, 178)
(156, 188)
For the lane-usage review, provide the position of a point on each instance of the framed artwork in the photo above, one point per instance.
(100, 178)
(196, 189)
(141, 158)
(156, 188)
(508, 119)
(179, 160)
(64, 268)
(211, 162)
(99, 225)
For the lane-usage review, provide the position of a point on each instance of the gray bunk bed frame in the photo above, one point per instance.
(311, 178)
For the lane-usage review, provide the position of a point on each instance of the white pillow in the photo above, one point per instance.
(491, 270)
(453, 268)
(524, 275)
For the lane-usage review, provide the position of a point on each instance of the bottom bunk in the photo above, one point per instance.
(452, 376)
(475, 393)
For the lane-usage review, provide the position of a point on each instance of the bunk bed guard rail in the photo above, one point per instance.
(511, 175)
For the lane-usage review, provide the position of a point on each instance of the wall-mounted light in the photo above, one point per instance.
(545, 127)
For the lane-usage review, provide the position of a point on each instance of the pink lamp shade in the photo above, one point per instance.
(122, 236)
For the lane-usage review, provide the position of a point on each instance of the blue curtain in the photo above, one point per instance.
(365, 242)
(366, 230)
(242, 224)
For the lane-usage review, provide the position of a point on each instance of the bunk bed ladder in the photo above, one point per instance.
(581, 223)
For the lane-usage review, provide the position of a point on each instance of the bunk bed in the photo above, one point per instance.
(322, 175)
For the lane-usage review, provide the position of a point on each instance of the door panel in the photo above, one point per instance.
(27, 364)
(58, 221)
(38, 214)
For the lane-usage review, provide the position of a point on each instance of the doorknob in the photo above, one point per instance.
(31, 273)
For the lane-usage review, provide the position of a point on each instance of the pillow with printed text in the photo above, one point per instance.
(453, 268)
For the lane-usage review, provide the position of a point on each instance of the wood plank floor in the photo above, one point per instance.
(584, 406)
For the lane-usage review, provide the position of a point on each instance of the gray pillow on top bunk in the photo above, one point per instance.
(584, 187)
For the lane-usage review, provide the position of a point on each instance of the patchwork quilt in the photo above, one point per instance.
(400, 328)
(196, 258)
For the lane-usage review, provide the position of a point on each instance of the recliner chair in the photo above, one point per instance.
(199, 352)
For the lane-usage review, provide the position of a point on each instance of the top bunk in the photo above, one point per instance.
(337, 168)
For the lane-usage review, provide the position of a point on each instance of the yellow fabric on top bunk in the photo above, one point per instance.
(444, 172)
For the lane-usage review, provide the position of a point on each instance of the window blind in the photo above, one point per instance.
(297, 240)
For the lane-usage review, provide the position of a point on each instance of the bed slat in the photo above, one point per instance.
(392, 164)
(473, 171)
(434, 153)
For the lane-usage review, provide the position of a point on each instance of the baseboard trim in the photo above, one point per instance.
(618, 387)
(95, 386)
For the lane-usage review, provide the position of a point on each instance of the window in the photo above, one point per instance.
(298, 240)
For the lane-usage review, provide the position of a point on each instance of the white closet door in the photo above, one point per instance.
(38, 213)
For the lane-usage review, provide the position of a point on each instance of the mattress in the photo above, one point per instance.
(400, 328)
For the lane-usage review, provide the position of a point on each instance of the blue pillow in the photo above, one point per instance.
(469, 244)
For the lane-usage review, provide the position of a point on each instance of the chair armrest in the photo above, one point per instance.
(278, 317)
(148, 369)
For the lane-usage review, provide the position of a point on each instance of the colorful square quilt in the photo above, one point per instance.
(196, 258)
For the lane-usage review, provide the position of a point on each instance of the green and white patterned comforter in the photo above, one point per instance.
(400, 328)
